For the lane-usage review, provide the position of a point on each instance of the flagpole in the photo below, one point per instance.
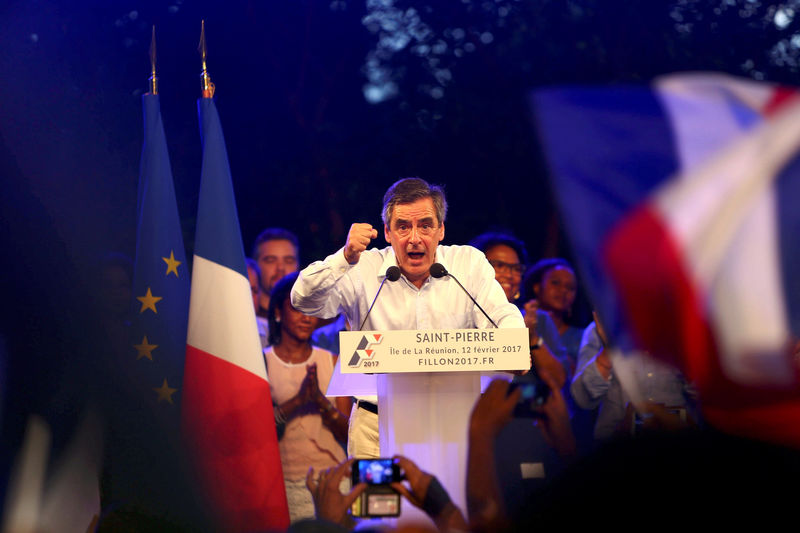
(153, 80)
(143, 452)
(205, 80)
(227, 407)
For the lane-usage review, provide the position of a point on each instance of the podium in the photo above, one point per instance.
(427, 384)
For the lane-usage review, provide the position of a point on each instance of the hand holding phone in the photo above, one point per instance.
(379, 498)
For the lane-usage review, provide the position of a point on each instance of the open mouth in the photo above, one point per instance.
(416, 255)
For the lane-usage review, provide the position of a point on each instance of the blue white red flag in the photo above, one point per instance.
(228, 421)
(678, 199)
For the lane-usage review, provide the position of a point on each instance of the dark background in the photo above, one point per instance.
(324, 104)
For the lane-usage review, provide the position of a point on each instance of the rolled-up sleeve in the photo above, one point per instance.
(317, 291)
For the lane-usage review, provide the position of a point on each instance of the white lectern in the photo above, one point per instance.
(427, 383)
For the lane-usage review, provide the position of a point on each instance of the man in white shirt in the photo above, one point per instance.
(429, 423)
(413, 216)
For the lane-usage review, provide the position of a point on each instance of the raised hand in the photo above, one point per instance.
(555, 424)
(493, 410)
(358, 238)
(531, 307)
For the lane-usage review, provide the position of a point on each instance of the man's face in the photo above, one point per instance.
(414, 234)
(276, 258)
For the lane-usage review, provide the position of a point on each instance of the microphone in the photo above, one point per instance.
(439, 271)
(392, 274)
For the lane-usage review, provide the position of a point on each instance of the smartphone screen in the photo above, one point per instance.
(375, 471)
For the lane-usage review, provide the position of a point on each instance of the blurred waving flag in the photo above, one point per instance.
(678, 199)
(228, 422)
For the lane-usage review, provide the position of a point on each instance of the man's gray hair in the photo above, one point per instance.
(409, 190)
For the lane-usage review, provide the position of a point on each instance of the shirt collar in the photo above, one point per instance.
(440, 258)
(388, 261)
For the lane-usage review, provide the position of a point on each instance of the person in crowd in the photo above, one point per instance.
(420, 488)
(254, 276)
(486, 498)
(657, 394)
(508, 256)
(277, 252)
(552, 283)
(312, 430)
(524, 460)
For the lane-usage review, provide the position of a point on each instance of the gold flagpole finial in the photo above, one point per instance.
(153, 79)
(205, 79)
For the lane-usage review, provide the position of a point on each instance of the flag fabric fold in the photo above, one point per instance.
(161, 276)
(227, 420)
(678, 200)
(141, 403)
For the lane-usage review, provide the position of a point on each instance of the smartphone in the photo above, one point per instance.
(377, 501)
(376, 471)
(534, 394)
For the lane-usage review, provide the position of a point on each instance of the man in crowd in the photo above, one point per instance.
(277, 253)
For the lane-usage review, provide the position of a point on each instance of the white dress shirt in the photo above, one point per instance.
(422, 416)
(326, 288)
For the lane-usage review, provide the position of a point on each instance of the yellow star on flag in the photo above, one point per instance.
(164, 392)
(148, 301)
(145, 349)
(172, 264)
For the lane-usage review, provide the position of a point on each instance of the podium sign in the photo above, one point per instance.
(434, 350)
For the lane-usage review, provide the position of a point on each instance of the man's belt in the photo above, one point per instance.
(368, 406)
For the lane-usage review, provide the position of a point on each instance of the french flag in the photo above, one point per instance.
(679, 199)
(227, 417)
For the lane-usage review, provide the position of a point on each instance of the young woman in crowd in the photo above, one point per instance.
(312, 430)
(507, 255)
(552, 283)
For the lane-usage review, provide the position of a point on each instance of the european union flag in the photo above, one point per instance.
(142, 471)
(161, 276)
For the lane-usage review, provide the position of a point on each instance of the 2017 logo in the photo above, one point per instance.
(364, 350)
